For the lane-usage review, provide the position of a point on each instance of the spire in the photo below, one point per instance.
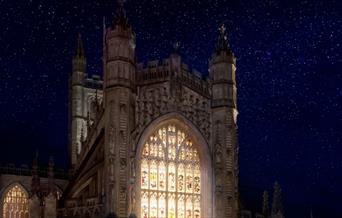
(79, 47)
(79, 60)
(265, 205)
(222, 42)
(120, 17)
(277, 206)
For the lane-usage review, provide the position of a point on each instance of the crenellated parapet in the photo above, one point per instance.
(153, 72)
(93, 82)
(156, 72)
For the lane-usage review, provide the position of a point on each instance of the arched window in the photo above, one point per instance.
(15, 203)
(170, 175)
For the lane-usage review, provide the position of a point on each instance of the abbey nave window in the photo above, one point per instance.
(170, 176)
(15, 203)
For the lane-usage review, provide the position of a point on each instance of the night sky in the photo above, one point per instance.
(288, 71)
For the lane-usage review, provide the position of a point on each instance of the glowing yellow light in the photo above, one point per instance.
(170, 176)
(15, 203)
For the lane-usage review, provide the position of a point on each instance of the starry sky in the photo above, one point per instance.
(288, 73)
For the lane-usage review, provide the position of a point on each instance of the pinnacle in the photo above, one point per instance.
(222, 42)
(79, 47)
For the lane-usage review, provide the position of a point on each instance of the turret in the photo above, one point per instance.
(224, 143)
(119, 54)
(222, 69)
(119, 102)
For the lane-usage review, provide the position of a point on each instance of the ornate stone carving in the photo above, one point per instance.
(157, 100)
(111, 140)
(123, 163)
(218, 155)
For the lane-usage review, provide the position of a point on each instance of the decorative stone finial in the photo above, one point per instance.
(79, 47)
(120, 18)
(222, 42)
(176, 47)
(222, 29)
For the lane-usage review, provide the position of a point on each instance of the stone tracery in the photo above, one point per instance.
(170, 175)
(15, 203)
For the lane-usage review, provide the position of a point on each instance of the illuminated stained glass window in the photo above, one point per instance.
(170, 176)
(144, 205)
(15, 203)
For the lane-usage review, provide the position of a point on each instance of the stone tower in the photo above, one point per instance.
(85, 100)
(222, 68)
(76, 109)
(119, 97)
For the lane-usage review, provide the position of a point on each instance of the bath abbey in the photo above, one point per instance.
(148, 140)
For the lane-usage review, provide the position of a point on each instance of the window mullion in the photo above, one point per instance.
(193, 187)
(167, 172)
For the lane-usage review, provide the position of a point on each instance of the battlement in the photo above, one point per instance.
(194, 80)
(156, 71)
(93, 82)
(153, 72)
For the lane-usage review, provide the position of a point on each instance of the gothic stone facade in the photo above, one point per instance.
(112, 120)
